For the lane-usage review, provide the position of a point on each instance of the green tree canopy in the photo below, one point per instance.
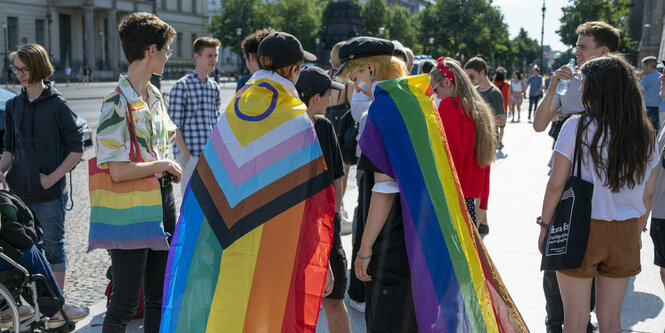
(525, 50)
(614, 12)
(375, 15)
(401, 27)
(248, 15)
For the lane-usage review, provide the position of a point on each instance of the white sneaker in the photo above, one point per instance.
(346, 228)
(358, 306)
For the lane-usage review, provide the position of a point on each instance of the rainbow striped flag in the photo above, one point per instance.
(250, 252)
(455, 286)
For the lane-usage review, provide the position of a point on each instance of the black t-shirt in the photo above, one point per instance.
(329, 146)
(392, 234)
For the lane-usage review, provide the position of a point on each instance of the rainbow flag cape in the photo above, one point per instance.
(455, 285)
(251, 248)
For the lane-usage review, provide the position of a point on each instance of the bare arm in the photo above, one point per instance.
(123, 171)
(555, 187)
(545, 112)
(649, 189)
(5, 162)
(57, 174)
(337, 187)
(180, 142)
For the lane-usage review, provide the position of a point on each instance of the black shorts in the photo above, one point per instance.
(338, 264)
(657, 233)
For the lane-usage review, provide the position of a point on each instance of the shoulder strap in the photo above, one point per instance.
(501, 86)
(577, 152)
(134, 150)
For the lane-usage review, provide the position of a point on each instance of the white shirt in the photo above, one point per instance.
(605, 205)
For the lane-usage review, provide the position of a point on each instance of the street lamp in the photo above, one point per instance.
(381, 31)
(238, 33)
(317, 40)
(542, 33)
(431, 42)
(101, 38)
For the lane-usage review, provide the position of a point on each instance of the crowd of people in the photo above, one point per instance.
(604, 125)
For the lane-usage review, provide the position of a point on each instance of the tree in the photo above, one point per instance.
(401, 27)
(374, 15)
(525, 50)
(614, 12)
(248, 15)
(301, 18)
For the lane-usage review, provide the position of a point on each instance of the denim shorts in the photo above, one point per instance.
(50, 216)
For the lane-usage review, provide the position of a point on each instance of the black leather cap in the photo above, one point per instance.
(360, 47)
(314, 80)
(284, 50)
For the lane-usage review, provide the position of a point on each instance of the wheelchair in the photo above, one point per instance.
(17, 282)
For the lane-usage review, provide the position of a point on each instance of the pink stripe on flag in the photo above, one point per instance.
(240, 174)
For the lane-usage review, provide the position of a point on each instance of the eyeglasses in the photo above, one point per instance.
(169, 52)
(436, 86)
(22, 71)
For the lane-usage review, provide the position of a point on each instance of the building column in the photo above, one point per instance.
(89, 36)
(112, 38)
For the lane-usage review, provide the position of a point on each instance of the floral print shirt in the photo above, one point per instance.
(151, 122)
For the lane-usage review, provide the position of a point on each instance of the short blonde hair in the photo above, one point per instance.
(36, 60)
(334, 55)
(266, 63)
(386, 67)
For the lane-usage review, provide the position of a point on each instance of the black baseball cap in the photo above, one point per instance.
(360, 47)
(284, 50)
(314, 80)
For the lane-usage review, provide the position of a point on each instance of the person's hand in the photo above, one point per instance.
(543, 232)
(3, 181)
(563, 73)
(361, 265)
(330, 283)
(172, 168)
(45, 181)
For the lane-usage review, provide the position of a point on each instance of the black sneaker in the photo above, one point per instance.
(483, 229)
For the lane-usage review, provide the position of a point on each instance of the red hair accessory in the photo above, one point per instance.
(445, 70)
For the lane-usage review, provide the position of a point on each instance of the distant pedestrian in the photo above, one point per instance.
(195, 106)
(623, 185)
(145, 40)
(650, 86)
(516, 96)
(500, 82)
(79, 75)
(42, 143)
(86, 75)
(595, 39)
(250, 46)
(535, 85)
(68, 73)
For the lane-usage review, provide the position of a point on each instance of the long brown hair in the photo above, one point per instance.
(613, 100)
(475, 108)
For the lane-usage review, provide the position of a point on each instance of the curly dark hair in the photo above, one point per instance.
(140, 30)
(251, 43)
(612, 99)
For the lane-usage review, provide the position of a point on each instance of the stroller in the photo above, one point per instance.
(18, 232)
(18, 281)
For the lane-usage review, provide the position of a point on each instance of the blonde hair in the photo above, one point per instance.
(267, 63)
(334, 55)
(475, 108)
(385, 67)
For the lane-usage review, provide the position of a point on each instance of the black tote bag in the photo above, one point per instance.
(568, 234)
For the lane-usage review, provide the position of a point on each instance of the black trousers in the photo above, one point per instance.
(652, 113)
(554, 304)
(533, 104)
(133, 268)
(356, 287)
(390, 305)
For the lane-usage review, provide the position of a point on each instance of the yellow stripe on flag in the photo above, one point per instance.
(103, 198)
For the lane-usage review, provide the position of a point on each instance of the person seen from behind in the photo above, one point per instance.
(650, 86)
(535, 85)
(617, 149)
(250, 47)
(500, 82)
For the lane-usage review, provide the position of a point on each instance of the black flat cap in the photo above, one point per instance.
(360, 47)
(284, 50)
(314, 80)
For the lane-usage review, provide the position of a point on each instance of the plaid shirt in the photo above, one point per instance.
(194, 107)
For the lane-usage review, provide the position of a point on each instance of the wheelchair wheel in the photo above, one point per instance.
(11, 303)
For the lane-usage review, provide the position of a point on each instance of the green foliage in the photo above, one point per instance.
(464, 28)
(614, 12)
(374, 14)
(401, 27)
(525, 50)
(301, 18)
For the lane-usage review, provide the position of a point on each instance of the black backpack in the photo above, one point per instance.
(18, 225)
(348, 131)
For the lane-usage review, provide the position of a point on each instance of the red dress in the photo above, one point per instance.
(460, 133)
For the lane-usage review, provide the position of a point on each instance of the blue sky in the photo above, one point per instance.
(527, 14)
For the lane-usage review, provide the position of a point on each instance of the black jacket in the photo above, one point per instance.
(39, 134)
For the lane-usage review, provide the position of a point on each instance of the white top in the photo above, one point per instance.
(605, 205)
(658, 208)
(516, 86)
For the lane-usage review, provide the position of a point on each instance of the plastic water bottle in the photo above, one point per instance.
(562, 87)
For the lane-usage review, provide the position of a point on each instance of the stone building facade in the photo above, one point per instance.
(83, 33)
